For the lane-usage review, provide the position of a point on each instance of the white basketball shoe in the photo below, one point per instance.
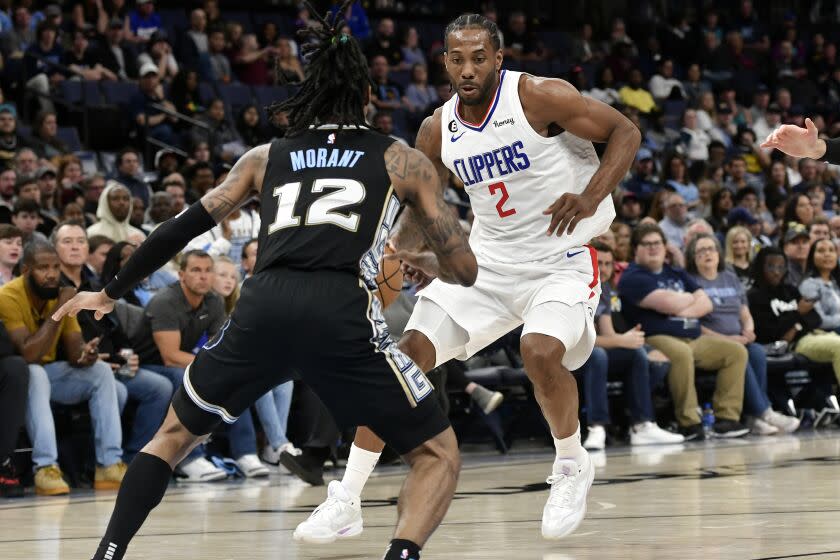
(566, 506)
(339, 517)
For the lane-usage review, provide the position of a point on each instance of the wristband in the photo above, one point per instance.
(832, 151)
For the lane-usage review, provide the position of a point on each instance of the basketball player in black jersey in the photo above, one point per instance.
(330, 192)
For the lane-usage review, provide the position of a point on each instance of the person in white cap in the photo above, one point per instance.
(144, 114)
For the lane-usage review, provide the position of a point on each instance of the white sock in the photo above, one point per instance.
(359, 466)
(569, 448)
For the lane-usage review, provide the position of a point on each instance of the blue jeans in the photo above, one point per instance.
(641, 375)
(62, 383)
(153, 393)
(242, 435)
(273, 410)
(755, 381)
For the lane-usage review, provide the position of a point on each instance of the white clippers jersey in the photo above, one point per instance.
(512, 174)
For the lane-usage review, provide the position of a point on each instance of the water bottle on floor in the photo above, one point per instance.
(708, 419)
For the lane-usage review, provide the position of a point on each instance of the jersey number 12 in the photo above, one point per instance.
(324, 209)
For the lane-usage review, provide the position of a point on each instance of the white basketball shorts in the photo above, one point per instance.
(557, 299)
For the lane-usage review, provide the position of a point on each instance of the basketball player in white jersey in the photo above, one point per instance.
(522, 146)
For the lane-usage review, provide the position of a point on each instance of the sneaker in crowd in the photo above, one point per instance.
(648, 433)
(271, 455)
(786, 424)
(729, 429)
(596, 439)
(10, 486)
(487, 400)
(110, 477)
(49, 481)
(693, 433)
(759, 427)
(304, 466)
(251, 466)
(199, 470)
(339, 517)
(566, 506)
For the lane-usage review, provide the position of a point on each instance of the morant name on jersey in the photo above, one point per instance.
(496, 163)
(324, 157)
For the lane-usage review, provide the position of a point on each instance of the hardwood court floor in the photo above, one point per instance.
(769, 498)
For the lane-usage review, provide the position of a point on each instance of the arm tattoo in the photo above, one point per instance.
(237, 187)
(218, 201)
(404, 163)
(443, 234)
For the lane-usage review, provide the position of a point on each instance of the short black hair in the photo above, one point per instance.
(741, 193)
(23, 181)
(473, 21)
(35, 248)
(197, 253)
(26, 205)
(126, 150)
(245, 247)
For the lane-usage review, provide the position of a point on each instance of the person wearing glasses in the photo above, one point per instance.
(668, 304)
(730, 319)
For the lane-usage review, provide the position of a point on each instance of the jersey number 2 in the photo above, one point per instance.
(323, 210)
(499, 205)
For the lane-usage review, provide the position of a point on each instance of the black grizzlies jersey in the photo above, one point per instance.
(327, 202)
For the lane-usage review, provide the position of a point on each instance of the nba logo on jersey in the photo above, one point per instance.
(331, 138)
(404, 554)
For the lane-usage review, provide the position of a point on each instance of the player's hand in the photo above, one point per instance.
(796, 141)
(98, 302)
(419, 267)
(416, 277)
(567, 211)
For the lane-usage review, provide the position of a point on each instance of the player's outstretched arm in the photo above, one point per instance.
(450, 257)
(172, 236)
(551, 101)
(803, 142)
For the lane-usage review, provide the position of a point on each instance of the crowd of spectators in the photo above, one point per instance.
(722, 251)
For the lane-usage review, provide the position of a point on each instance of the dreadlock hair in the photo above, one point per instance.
(473, 21)
(335, 86)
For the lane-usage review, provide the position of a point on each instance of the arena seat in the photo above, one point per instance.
(70, 136)
(119, 93)
(236, 96)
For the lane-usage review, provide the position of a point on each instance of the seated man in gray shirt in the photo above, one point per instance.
(182, 318)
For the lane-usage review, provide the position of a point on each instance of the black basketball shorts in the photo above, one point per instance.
(327, 328)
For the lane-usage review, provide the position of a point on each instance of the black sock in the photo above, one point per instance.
(141, 491)
(401, 549)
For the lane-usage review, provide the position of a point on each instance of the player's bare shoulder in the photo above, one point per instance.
(428, 137)
(547, 100)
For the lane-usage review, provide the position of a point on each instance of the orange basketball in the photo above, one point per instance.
(389, 280)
